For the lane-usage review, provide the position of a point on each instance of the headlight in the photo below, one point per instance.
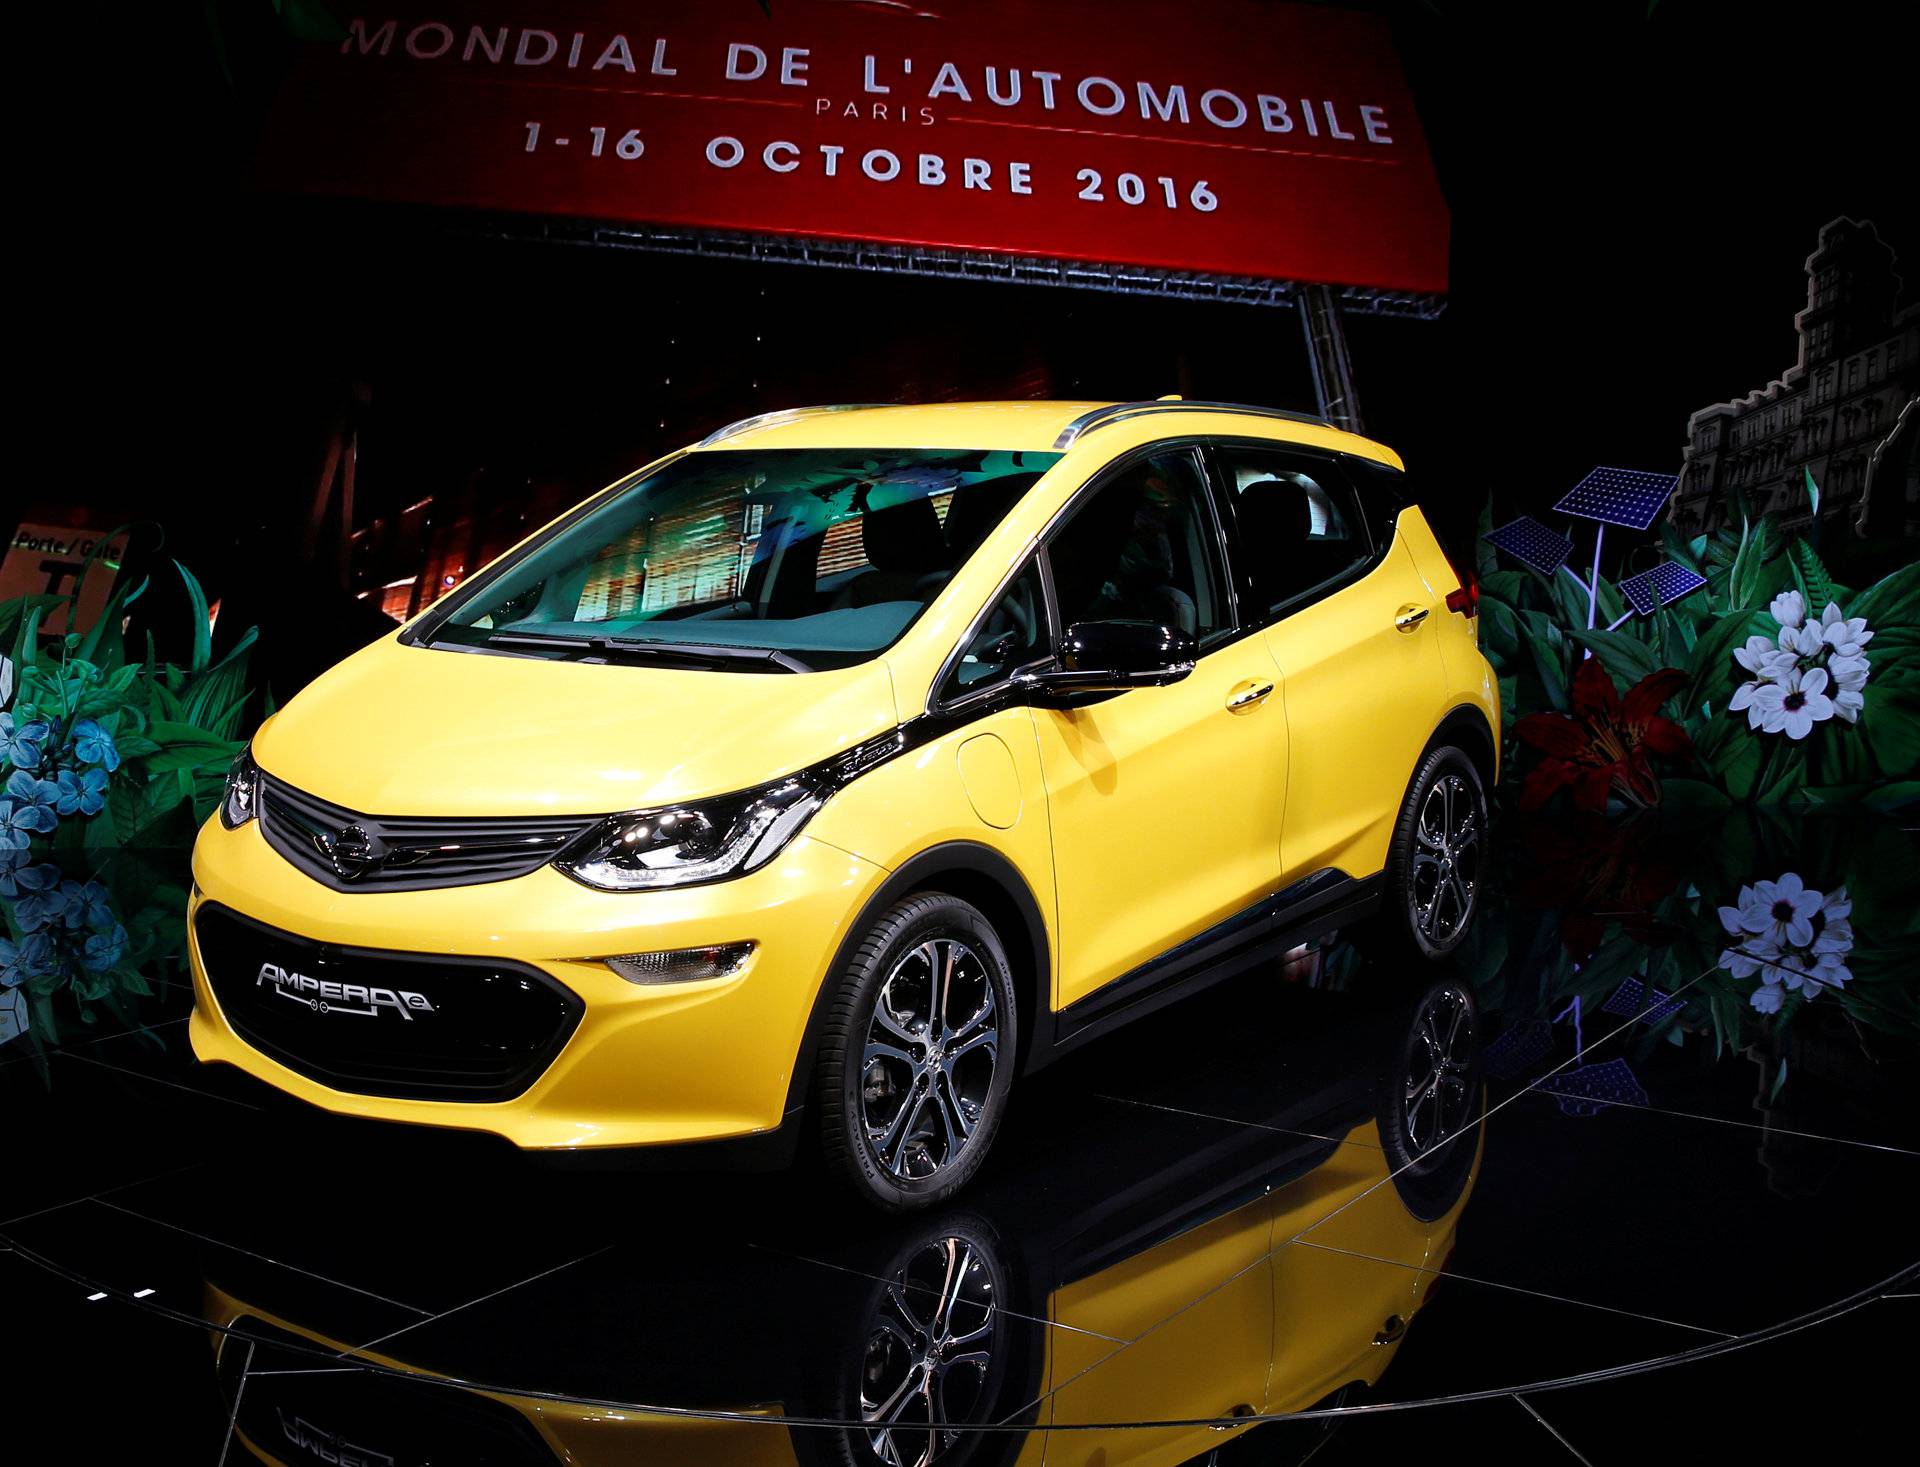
(682, 845)
(243, 781)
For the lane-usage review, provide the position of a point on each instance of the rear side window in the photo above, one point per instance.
(1300, 526)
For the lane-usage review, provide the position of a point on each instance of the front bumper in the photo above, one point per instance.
(647, 1064)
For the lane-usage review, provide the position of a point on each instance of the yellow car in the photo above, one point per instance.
(833, 772)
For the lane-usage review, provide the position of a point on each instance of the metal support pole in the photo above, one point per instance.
(1327, 355)
(1593, 586)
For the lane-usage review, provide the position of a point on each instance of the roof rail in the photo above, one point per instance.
(784, 415)
(1117, 412)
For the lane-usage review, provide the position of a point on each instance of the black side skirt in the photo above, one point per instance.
(1310, 908)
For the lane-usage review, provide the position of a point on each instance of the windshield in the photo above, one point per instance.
(790, 558)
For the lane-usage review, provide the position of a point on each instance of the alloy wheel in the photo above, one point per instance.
(930, 1353)
(1446, 859)
(928, 1065)
(1440, 1088)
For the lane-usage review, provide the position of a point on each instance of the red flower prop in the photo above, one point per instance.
(1597, 870)
(1604, 744)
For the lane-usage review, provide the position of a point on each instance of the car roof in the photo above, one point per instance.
(1030, 426)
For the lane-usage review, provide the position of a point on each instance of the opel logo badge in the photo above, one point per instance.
(354, 852)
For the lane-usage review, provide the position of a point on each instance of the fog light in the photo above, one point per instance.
(685, 965)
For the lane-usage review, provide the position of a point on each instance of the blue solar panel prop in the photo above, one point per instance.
(1518, 1049)
(1626, 497)
(1590, 1089)
(1665, 584)
(1634, 1000)
(1532, 544)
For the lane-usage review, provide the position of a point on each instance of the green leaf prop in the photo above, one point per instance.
(1891, 727)
(1895, 600)
(1810, 575)
(1627, 658)
(183, 746)
(1548, 649)
(1714, 669)
(202, 621)
(169, 734)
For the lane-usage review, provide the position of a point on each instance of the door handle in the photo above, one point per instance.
(1408, 617)
(1391, 1330)
(1250, 696)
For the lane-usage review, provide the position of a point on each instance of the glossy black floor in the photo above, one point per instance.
(1686, 1230)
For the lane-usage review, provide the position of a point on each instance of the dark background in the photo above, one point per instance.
(1633, 194)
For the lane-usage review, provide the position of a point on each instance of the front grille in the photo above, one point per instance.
(415, 1026)
(349, 851)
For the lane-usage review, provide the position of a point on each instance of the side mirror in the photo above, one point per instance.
(1113, 657)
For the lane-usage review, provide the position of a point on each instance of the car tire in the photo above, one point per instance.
(1431, 1106)
(910, 1091)
(1436, 862)
(947, 1314)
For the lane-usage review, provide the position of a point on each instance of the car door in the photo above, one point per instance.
(1345, 1270)
(1353, 628)
(1164, 802)
(1198, 1310)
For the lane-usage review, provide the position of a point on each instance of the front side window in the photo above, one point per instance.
(1143, 548)
(798, 558)
(1299, 524)
(1011, 635)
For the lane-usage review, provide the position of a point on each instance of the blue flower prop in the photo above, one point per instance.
(87, 905)
(34, 956)
(39, 901)
(20, 744)
(34, 802)
(94, 745)
(104, 950)
(84, 793)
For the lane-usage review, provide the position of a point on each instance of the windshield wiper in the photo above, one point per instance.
(699, 654)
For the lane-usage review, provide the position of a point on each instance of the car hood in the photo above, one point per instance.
(403, 730)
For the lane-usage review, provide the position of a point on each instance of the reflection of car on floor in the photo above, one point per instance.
(1221, 1271)
(846, 766)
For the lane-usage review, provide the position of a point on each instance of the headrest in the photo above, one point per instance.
(976, 508)
(904, 537)
(1276, 508)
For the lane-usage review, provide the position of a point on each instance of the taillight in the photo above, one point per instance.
(1465, 600)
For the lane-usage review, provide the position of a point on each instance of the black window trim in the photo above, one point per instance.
(985, 697)
(1378, 544)
(1113, 469)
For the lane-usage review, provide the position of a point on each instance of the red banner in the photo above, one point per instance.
(1224, 136)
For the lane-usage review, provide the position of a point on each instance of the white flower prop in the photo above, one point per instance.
(1816, 670)
(6, 683)
(1790, 938)
(1845, 634)
(1794, 706)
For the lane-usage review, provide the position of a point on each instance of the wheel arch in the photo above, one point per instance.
(984, 878)
(1468, 729)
